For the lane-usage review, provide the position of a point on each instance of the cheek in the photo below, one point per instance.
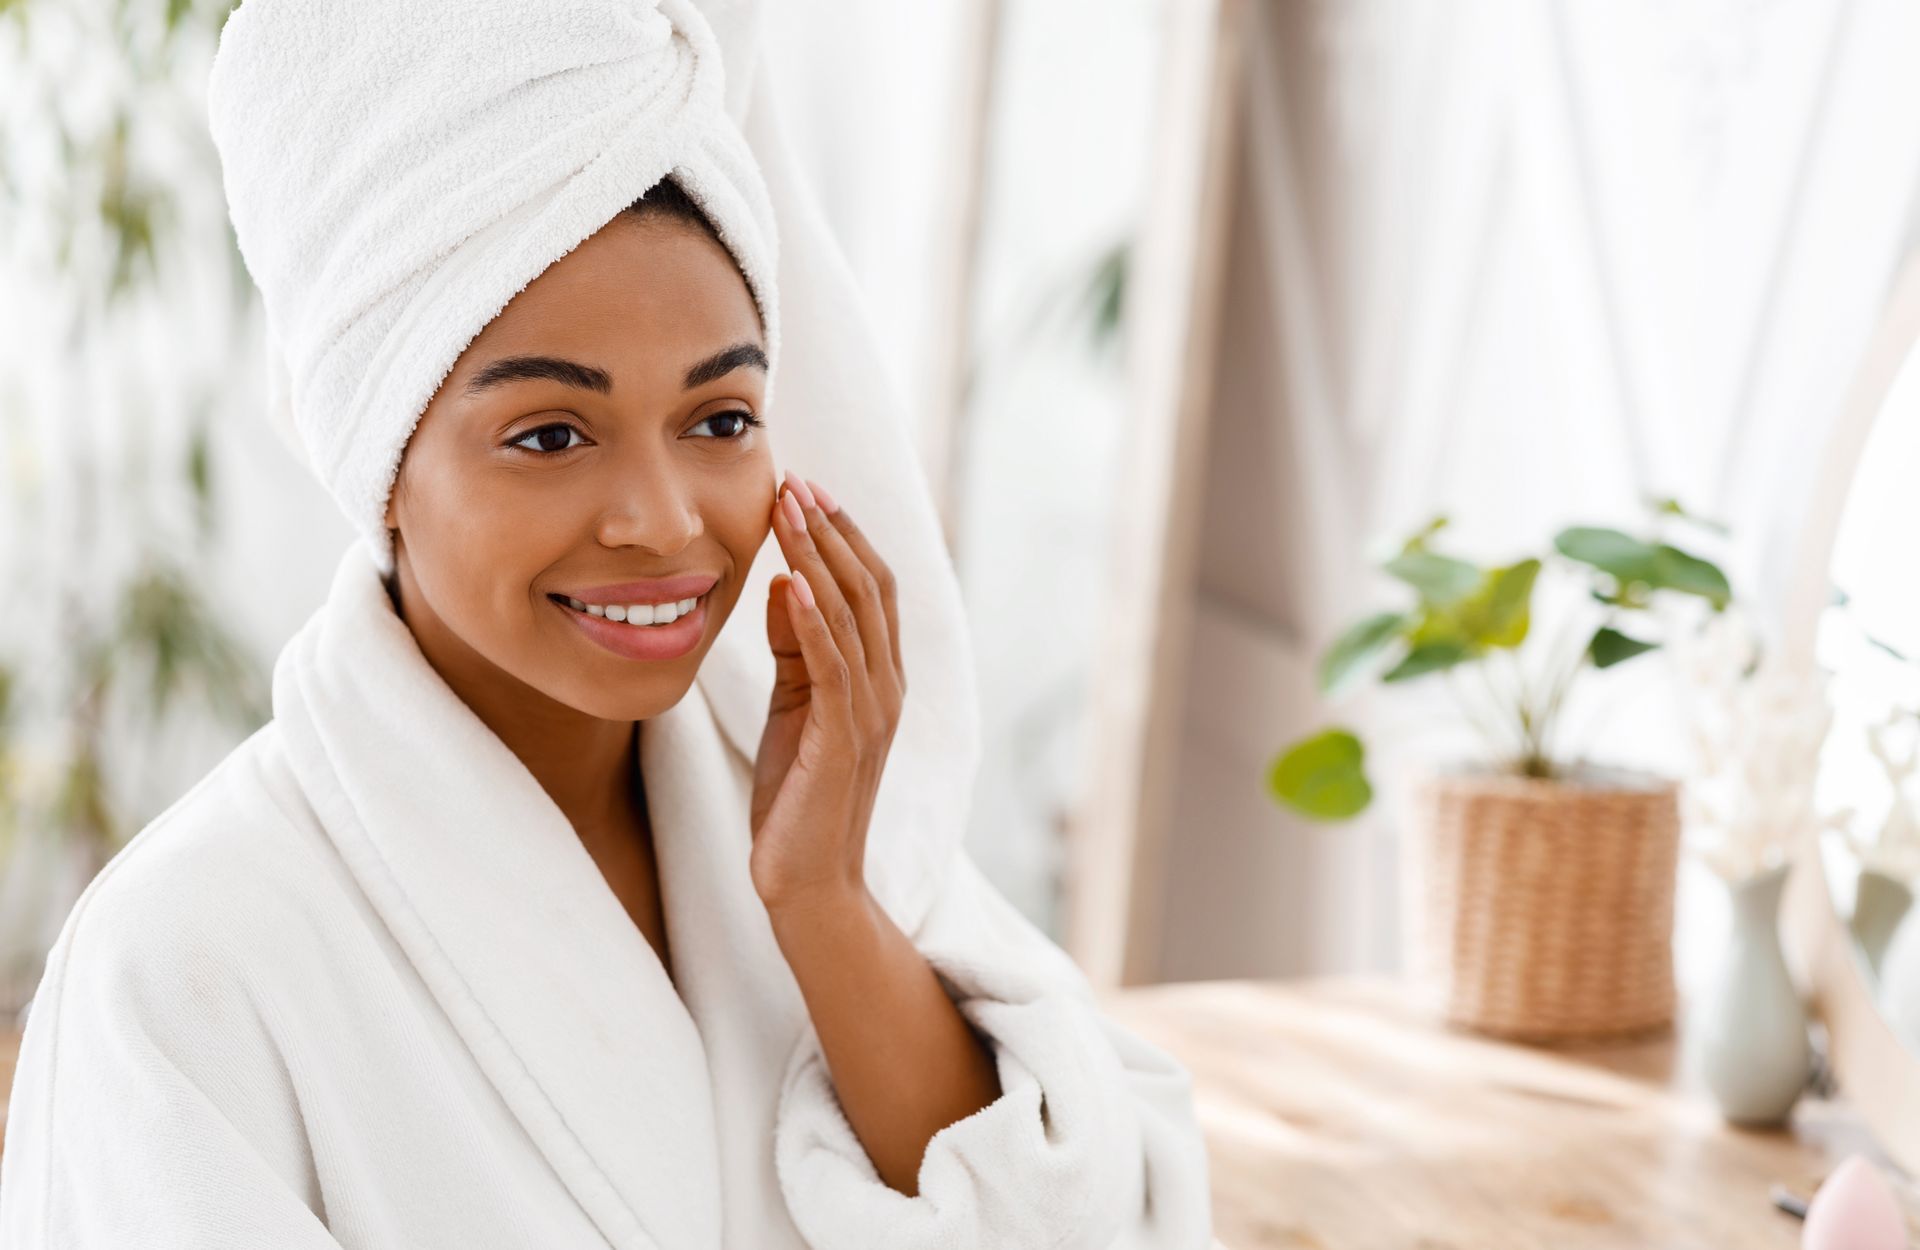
(474, 539)
(738, 513)
(736, 518)
(498, 511)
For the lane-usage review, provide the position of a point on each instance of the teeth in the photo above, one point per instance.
(636, 613)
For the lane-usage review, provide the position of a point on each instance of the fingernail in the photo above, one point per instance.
(801, 588)
(800, 487)
(794, 515)
(828, 504)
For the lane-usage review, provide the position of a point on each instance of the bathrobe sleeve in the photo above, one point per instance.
(1092, 1145)
(151, 1107)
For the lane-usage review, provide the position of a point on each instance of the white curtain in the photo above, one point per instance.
(1522, 262)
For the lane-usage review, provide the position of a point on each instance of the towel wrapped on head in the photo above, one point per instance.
(392, 205)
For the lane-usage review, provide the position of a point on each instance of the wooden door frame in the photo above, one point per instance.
(1117, 834)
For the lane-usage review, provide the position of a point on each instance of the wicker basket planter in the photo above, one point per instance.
(1542, 911)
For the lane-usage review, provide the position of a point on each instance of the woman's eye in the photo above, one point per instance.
(551, 438)
(736, 423)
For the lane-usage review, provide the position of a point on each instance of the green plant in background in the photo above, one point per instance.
(1102, 301)
(1468, 622)
(1088, 305)
(162, 645)
(157, 647)
(134, 656)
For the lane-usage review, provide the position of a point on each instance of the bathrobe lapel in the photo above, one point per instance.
(728, 965)
(483, 883)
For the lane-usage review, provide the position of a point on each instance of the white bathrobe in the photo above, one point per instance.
(362, 986)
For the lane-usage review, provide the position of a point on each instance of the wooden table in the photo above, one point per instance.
(1338, 1114)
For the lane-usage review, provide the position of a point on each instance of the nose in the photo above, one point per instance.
(650, 506)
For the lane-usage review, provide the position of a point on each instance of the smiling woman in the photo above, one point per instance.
(559, 904)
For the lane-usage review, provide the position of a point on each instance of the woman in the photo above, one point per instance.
(527, 920)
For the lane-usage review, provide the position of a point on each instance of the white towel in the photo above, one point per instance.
(397, 170)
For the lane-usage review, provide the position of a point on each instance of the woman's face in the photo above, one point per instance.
(601, 431)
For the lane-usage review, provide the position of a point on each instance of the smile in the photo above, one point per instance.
(663, 631)
(643, 614)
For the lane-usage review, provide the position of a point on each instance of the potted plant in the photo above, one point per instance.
(1540, 888)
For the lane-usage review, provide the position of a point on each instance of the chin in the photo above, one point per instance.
(623, 710)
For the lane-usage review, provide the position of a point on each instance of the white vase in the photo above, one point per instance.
(1746, 1033)
(1898, 992)
(1880, 903)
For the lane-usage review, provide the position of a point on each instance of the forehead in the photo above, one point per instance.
(654, 294)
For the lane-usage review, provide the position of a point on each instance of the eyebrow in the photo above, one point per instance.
(590, 378)
(720, 364)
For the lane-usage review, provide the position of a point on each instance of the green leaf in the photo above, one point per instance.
(1427, 657)
(1103, 300)
(1439, 579)
(1437, 625)
(1610, 647)
(1676, 570)
(1629, 596)
(1352, 650)
(1672, 508)
(1499, 612)
(200, 463)
(1623, 556)
(1418, 540)
(1638, 567)
(167, 621)
(199, 475)
(1881, 643)
(1323, 776)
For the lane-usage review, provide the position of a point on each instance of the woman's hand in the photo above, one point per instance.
(905, 1063)
(838, 685)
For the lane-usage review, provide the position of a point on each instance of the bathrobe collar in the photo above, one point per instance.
(486, 887)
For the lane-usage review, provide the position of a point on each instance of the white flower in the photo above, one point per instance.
(1895, 848)
(1758, 726)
